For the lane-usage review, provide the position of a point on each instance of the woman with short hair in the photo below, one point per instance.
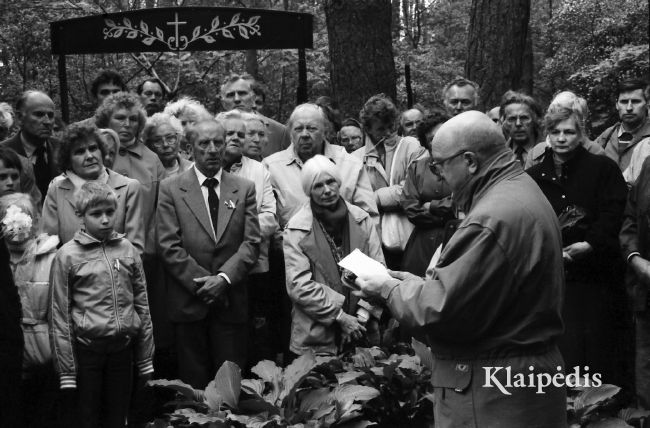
(123, 113)
(588, 194)
(325, 312)
(81, 156)
(163, 134)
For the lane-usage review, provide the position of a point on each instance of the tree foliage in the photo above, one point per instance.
(581, 44)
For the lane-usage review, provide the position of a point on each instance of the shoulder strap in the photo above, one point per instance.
(609, 136)
(392, 164)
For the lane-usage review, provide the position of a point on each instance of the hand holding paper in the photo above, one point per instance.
(363, 266)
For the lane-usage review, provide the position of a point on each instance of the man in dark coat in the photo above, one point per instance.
(208, 237)
(35, 110)
(488, 313)
(635, 245)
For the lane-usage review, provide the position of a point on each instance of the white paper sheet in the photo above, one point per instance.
(362, 265)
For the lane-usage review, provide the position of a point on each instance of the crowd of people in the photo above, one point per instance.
(155, 238)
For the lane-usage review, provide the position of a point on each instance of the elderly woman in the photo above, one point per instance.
(81, 156)
(588, 194)
(163, 134)
(317, 237)
(257, 137)
(426, 202)
(188, 111)
(123, 113)
(570, 100)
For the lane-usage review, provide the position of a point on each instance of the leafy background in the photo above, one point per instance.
(585, 45)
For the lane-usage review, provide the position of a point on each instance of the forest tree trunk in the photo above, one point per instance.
(496, 44)
(361, 52)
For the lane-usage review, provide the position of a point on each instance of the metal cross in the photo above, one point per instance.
(176, 23)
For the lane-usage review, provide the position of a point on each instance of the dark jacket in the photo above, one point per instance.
(595, 184)
(51, 146)
(11, 334)
(497, 294)
(635, 233)
(189, 248)
(420, 187)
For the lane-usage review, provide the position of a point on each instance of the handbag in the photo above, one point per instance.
(395, 227)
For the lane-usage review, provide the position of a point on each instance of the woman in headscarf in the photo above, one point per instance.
(325, 313)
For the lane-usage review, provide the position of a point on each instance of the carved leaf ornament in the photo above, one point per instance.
(148, 36)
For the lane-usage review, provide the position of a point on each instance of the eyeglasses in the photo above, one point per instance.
(167, 140)
(525, 120)
(436, 166)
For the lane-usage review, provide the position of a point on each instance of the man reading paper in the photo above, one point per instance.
(495, 297)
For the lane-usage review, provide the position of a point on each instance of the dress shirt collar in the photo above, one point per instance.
(327, 152)
(202, 177)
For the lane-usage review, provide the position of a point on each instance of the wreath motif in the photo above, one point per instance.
(181, 42)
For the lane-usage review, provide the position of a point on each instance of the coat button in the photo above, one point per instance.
(461, 367)
(543, 175)
(563, 196)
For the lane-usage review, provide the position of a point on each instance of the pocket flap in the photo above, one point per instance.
(452, 374)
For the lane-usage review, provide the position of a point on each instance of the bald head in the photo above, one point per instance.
(36, 113)
(472, 131)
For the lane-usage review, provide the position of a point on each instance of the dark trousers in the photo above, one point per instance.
(203, 346)
(642, 358)
(104, 382)
(11, 361)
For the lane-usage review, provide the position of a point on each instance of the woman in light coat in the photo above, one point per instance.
(325, 313)
(81, 157)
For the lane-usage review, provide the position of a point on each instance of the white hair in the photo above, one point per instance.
(187, 105)
(314, 168)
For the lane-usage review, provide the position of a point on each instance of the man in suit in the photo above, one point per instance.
(208, 236)
(35, 110)
(237, 93)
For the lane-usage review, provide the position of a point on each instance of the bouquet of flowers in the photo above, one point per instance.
(16, 224)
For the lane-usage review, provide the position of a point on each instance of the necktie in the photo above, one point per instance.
(624, 141)
(41, 172)
(519, 154)
(213, 201)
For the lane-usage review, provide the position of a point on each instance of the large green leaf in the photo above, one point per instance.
(347, 394)
(295, 372)
(228, 383)
(348, 376)
(590, 396)
(253, 386)
(213, 399)
(178, 386)
(269, 372)
(609, 423)
(315, 399)
(423, 352)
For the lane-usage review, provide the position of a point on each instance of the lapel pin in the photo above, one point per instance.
(230, 204)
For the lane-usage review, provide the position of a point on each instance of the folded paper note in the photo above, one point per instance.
(362, 265)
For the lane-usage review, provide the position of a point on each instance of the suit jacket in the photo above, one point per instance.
(59, 212)
(190, 250)
(27, 178)
(278, 136)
